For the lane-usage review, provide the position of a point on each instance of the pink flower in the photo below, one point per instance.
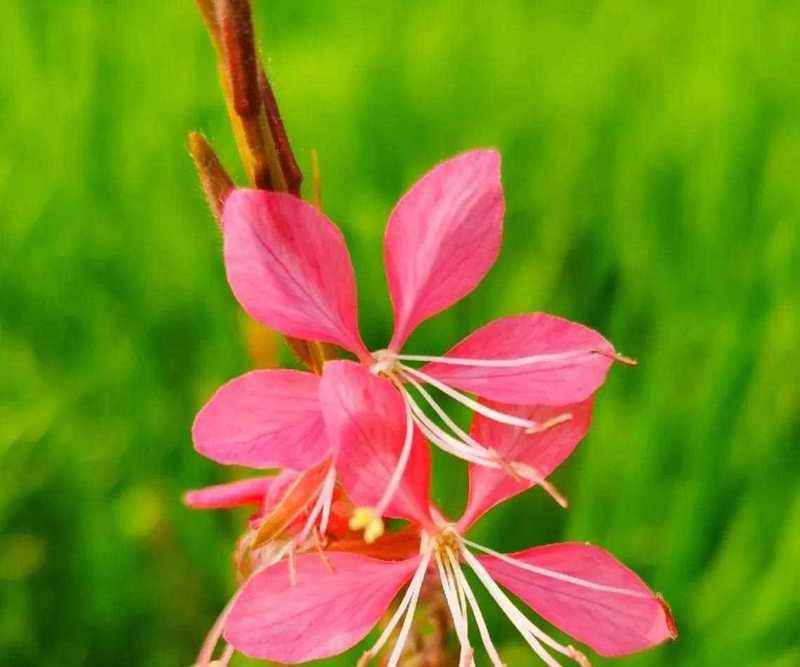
(327, 606)
(284, 525)
(288, 266)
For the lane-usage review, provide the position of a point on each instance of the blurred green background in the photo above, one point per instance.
(651, 165)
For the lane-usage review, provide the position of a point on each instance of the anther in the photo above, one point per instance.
(616, 356)
(550, 423)
(367, 519)
(509, 468)
(531, 474)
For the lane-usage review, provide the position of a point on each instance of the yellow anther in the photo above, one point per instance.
(360, 517)
(366, 518)
(373, 531)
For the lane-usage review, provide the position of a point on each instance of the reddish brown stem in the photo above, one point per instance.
(289, 166)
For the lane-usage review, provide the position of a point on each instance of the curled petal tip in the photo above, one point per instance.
(672, 624)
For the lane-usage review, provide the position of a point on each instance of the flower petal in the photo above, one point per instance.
(569, 368)
(365, 418)
(234, 494)
(288, 266)
(264, 419)
(323, 614)
(543, 451)
(612, 623)
(443, 237)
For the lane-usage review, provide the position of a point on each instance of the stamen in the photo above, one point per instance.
(616, 356)
(412, 592)
(459, 619)
(529, 473)
(552, 574)
(370, 518)
(550, 423)
(471, 403)
(455, 428)
(222, 661)
(578, 657)
(517, 618)
(454, 446)
(400, 643)
(214, 634)
(467, 658)
(327, 491)
(319, 546)
(445, 441)
(400, 468)
(513, 362)
(226, 656)
(483, 630)
(323, 502)
(321, 506)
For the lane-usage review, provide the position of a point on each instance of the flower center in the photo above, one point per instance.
(440, 543)
(386, 363)
(448, 553)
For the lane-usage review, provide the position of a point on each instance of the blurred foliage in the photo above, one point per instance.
(651, 164)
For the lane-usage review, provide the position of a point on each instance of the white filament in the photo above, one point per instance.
(513, 362)
(467, 447)
(402, 462)
(445, 441)
(457, 612)
(225, 658)
(483, 630)
(321, 506)
(327, 492)
(323, 503)
(411, 594)
(455, 428)
(471, 403)
(214, 634)
(552, 574)
(415, 587)
(517, 618)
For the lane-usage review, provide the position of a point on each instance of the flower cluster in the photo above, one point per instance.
(318, 565)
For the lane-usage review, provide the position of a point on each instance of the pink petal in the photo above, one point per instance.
(543, 452)
(288, 266)
(234, 494)
(365, 418)
(570, 378)
(264, 419)
(323, 614)
(443, 237)
(612, 623)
